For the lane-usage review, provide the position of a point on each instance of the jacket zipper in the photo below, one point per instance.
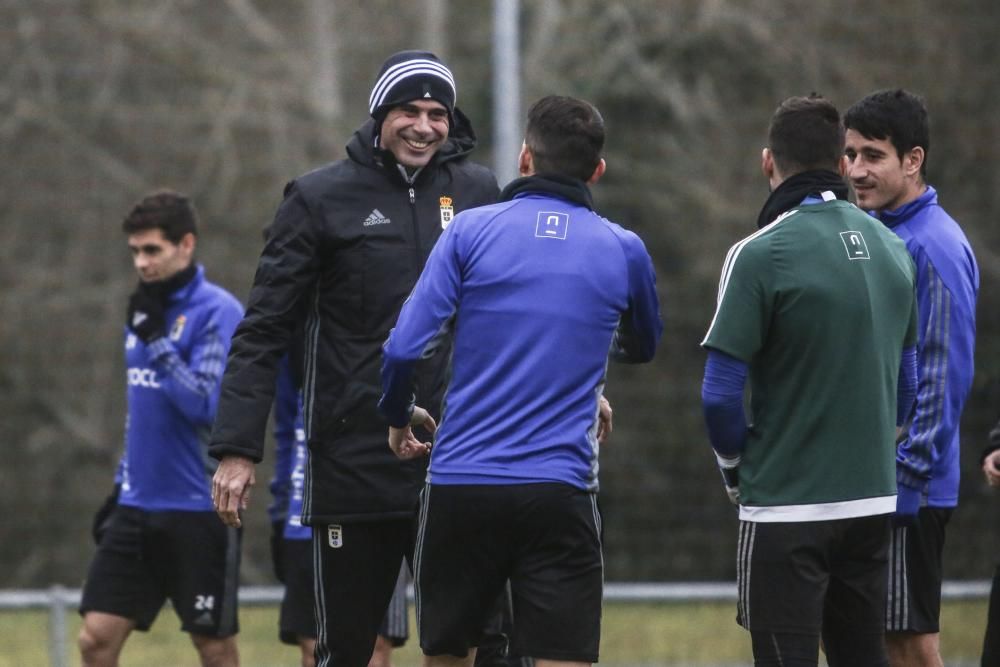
(416, 228)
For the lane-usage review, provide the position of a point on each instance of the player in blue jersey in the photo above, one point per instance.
(162, 539)
(291, 550)
(538, 289)
(888, 140)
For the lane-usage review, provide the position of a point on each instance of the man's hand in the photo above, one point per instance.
(145, 315)
(991, 469)
(404, 443)
(729, 466)
(604, 426)
(231, 488)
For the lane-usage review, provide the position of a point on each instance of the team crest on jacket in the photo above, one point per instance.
(335, 535)
(447, 212)
(178, 328)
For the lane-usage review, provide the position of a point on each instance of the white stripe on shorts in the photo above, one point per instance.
(744, 559)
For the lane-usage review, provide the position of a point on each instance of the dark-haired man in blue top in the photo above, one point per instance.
(538, 289)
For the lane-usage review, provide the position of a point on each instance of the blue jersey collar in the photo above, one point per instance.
(907, 211)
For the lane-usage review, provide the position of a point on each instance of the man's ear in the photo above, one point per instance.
(599, 170)
(767, 163)
(187, 243)
(913, 161)
(525, 161)
(842, 165)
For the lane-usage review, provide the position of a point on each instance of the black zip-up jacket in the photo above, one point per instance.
(346, 247)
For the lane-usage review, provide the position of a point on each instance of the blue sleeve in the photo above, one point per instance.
(193, 388)
(427, 310)
(943, 378)
(286, 406)
(722, 403)
(641, 325)
(906, 390)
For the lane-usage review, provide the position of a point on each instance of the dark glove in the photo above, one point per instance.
(103, 516)
(145, 314)
(729, 466)
(277, 550)
(907, 506)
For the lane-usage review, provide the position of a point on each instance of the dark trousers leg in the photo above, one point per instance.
(784, 649)
(355, 572)
(991, 642)
(494, 649)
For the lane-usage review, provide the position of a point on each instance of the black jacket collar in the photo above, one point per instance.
(571, 189)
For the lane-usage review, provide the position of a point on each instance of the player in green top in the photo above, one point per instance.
(818, 308)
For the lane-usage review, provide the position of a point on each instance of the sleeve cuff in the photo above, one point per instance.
(906, 478)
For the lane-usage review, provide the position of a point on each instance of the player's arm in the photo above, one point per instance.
(941, 380)
(288, 269)
(429, 308)
(722, 406)
(737, 332)
(641, 326)
(193, 386)
(286, 274)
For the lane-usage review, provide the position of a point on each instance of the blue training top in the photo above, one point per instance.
(535, 288)
(173, 391)
(291, 457)
(947, 285)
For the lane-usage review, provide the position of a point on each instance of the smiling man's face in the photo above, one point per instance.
(414, 131)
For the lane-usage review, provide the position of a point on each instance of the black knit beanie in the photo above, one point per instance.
(408, 76)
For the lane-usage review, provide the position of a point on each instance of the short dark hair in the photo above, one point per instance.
(806, 134)
(166, 210)
(896, 115)
(565, 136)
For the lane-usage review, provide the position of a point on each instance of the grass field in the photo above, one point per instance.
(693, 634)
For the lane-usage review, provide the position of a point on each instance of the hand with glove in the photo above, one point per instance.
(907, 506)
(729, 466)
(103, 516)
(145, 313)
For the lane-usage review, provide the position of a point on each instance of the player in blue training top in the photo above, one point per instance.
(538, 290)
(888, 139)
(162, 538)
(291, 542)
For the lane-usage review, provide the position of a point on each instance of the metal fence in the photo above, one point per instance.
(58, 599)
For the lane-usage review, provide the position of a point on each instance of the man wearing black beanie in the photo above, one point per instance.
(345, 249)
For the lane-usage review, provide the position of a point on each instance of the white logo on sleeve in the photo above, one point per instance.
(335, 535)
(855, 245)
(551, 225)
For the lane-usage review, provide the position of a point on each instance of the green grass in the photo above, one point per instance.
(647, 634)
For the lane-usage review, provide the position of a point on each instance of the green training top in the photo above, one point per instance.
(820, 304)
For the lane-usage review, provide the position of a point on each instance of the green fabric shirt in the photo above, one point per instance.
(820, 304)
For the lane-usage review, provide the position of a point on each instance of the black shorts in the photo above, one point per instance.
(144, 558)
(544, 538)
(913, 602)
(800, 577)
(298, 610)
